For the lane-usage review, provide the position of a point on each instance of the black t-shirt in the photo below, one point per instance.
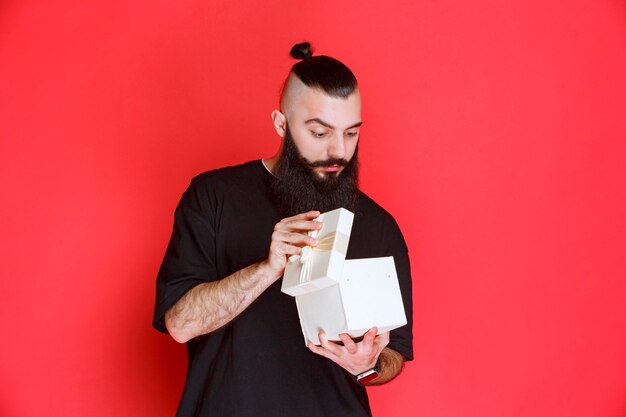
(258, 364)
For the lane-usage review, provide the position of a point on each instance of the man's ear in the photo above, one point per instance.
(280, 123)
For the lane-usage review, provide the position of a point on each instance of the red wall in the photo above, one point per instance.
(494, 131)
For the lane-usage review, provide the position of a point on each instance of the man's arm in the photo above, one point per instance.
(211, 305)
(391, 364)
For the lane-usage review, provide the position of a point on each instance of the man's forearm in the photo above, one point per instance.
(211, 305)
(391, 364)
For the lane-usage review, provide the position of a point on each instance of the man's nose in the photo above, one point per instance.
(336, 147)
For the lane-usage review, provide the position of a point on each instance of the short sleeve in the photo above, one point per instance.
(189, 258)
(401, 339)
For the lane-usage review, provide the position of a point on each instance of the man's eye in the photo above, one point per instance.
(352, 133)
(318, 134)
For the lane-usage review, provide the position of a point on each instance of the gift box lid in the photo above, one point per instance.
(321, 265)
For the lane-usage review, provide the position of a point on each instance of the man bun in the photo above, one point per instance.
(301, 51)
(322, 72)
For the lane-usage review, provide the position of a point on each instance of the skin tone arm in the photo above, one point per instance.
(391, 364)
(211, 305)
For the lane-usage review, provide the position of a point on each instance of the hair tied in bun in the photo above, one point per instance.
(301, 51)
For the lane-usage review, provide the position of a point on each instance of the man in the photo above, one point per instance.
(218, 289)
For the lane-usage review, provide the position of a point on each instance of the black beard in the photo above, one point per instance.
(298, 189)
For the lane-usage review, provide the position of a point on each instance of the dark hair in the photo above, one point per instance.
(323, 72)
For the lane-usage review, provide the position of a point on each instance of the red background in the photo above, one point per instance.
(494, 132)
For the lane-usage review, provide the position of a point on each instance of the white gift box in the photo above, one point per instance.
(367, 295)
(320, 266)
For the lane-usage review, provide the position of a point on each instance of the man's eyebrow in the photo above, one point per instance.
(328, 125)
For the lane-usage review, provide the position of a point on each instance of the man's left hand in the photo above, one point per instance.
(354, 357)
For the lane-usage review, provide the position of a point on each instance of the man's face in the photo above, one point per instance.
(324, 129)
(318, 166)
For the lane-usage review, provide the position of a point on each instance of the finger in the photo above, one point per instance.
(309, 215)
(297, 239)
(328, 345)
(298, 225)
(382, 338)
(321, 351)
(282, 249)
(368, 337)
(348, 343)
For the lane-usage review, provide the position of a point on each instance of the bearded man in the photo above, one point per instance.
(218, 289)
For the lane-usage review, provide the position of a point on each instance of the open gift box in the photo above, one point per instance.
(320, 266)
(367, 295)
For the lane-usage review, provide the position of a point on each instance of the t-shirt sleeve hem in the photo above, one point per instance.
(158, 321)
(407, 353)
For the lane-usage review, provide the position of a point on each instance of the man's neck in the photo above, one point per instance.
(266, 166)
(271, 163)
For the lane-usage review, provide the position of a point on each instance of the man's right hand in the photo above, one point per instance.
(289, 237)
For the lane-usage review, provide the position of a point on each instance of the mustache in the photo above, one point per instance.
(327, 162)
